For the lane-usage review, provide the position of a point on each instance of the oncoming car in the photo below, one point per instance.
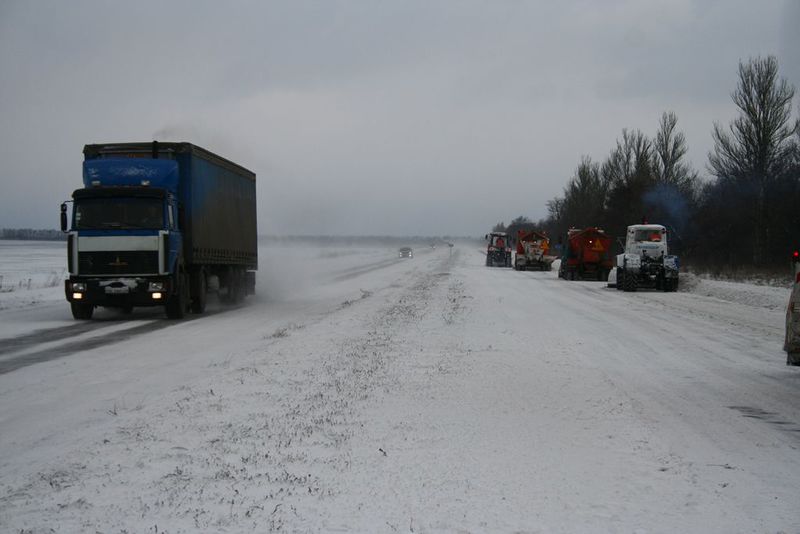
(406, 252)
(792, 342)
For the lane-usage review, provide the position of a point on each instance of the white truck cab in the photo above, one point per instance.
(646, 261)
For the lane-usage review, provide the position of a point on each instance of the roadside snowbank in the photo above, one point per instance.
(749, 294)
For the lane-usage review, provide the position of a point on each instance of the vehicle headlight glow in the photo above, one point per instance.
(77, 296)
(156, 296)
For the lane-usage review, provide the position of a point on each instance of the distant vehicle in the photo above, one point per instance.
(532, 251)
(586, 254)
(406, 252)
(498, 250)
(646, 261)
(792, 342)
(159, 224)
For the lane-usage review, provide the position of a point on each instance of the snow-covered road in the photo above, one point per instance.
(361, 392)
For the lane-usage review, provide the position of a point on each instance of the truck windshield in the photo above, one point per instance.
(97, 213)
(647, 235)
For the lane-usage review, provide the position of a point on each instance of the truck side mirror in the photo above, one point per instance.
(63, 216)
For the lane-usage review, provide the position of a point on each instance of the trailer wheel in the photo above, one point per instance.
(82, 310)
(199, 293)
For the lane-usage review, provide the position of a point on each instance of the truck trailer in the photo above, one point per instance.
(159, 224)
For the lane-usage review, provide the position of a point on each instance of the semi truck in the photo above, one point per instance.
(646, 261)
(586, 255)
(532, 251)
(159, 224)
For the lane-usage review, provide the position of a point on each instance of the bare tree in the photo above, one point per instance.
(669, 151)
(757, 148)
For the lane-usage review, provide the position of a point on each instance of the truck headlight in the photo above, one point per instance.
(79, 287)
(155, 286)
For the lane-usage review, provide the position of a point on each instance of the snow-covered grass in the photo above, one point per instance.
(31, 272)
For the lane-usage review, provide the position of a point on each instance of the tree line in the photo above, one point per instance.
(32, 234)
(746, 214)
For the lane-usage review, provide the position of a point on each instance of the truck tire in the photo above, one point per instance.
(176, 303)
(793, 358)
(620, 279)
(199, 291)
(629, 283)
(82, 310)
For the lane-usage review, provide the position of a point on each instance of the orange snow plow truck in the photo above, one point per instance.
(586, 255)
(532, 251)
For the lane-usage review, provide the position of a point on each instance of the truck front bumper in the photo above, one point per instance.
(118, 292)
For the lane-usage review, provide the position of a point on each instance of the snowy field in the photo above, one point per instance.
(361, 392)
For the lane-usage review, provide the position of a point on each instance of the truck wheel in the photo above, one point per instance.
(629, 283)
(620, 279)
(176, 304)
(82, 310)
(199, 293)
(673, 284)
(793, 358)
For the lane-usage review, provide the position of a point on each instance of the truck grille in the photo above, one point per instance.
(122, 262)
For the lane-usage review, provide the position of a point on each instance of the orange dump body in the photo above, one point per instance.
(588, 250)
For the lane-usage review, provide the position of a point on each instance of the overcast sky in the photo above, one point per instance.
(370, 117)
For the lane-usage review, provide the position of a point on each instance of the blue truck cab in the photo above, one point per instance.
(160, 224)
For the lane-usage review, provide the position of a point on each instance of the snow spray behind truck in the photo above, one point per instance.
(160, 224)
